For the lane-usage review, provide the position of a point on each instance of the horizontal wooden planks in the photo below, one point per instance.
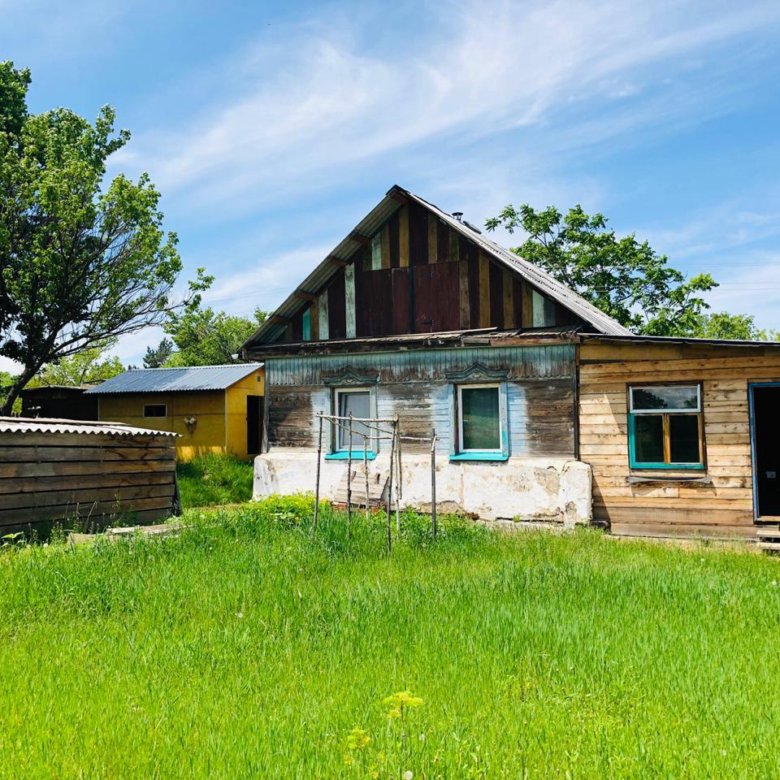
(682, 507)
(48, 477)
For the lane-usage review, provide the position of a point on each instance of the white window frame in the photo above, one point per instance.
(459, 411)
(155, 416)
(338, 430)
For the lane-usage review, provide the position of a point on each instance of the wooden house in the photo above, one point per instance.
(544, 408)
(212, 408)
(75, 471)
(417, 314)
(682, 435)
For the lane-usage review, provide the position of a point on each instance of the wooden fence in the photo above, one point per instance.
(83, 473)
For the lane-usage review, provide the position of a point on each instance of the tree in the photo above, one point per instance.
(80, 263)
(206, 337)
(623, 277)
(88, 367)
(156, 357)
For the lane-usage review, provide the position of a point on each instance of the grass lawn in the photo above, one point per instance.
(248, 648)
(210, 480)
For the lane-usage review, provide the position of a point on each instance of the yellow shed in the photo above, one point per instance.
(213, 408)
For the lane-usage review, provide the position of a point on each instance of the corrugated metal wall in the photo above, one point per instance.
(549, 362)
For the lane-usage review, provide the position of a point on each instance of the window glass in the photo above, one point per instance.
(665, 398)
(649, 438)
(154, 410)
(684, 438)
(358, 404)
(481, 426)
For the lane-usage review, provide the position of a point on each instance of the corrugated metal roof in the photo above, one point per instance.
(174, 380)
(50, 425)
(317, 279)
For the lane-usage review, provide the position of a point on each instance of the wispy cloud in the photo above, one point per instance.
(323, 99)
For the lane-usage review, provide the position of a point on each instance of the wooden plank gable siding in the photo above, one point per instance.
(720, 504)
(414, 385)
(417, 275)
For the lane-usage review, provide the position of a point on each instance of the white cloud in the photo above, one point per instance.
(325, 99)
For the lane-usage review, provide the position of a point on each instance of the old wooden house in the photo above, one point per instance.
(213, 408)
(417, 314)
(544, 407)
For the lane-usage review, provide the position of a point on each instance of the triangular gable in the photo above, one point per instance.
(370, 246)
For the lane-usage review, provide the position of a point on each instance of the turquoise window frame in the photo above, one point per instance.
(337, 453)
(498, 455)
(357, 454)
(655, 466)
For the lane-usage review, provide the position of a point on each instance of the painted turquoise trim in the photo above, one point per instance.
(356, 455)
(306, 324)
(635, 464)
(495, 456)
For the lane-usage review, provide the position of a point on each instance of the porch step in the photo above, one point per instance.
(769, 538)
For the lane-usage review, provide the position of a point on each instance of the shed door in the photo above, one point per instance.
(766, 448)
(254, 423)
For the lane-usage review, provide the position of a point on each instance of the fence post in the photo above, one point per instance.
(397, 434)
(365, 471)
(317, 488)
(349, 476)
(390, 495)
(434, 526)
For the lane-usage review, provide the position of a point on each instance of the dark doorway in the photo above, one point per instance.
(254, 423)
(766, 449)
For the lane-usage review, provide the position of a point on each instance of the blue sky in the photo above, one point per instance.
(272, 128)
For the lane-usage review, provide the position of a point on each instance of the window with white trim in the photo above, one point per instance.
(480, 419)
(355, 401)
(665, 427)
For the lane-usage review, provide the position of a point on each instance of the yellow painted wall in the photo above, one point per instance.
(220, 415)
(208, 434)
(235, 416)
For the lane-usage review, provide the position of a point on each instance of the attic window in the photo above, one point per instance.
(543, 310)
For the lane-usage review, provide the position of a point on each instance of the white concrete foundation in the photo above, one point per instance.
(549, 490)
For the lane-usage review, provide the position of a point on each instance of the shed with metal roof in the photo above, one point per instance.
(212, 408)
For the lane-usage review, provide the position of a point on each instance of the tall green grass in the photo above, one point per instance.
(249, 647)
(211, 480)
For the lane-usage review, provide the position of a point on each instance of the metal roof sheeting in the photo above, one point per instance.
(22, 425)
(175, 380)
(317, 279)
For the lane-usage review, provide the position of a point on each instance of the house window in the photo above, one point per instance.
(355, 402)
(480, 421)
(155, 410)
(665, 427)
(543, 310)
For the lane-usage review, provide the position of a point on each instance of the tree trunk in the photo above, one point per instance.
(19, 384)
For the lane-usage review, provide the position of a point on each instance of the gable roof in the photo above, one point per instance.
(373, 221)
(174, 380)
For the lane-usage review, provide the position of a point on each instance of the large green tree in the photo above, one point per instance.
(622, 276)
(81, 260)
(204, 337)
(88, 367)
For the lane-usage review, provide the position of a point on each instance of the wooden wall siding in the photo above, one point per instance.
(46, 478)
(414, 385)
(416, 275)
(723, 506)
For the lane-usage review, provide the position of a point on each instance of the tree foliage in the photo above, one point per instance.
(623, 277)
(88, 367)
(156, 357)
(206, 337)
(80, 262)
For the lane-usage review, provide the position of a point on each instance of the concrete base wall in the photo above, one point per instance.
(550, 490)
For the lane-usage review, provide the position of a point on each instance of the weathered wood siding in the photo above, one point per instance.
(50, 477)
(417, 275)
(720, 506)
(414, 385)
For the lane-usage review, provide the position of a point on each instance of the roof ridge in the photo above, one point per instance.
(194, 368)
